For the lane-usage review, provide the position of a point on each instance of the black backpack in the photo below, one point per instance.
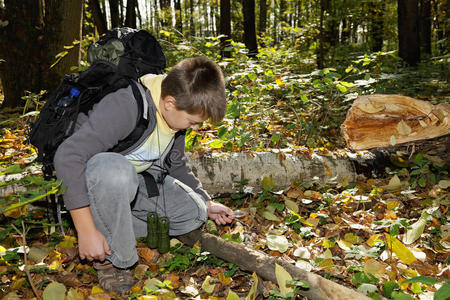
(117, 60)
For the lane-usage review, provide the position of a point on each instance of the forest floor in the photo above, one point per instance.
(387, 236)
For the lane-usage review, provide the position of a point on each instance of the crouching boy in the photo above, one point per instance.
(110, 194)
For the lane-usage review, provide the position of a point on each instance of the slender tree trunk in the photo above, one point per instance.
(122, 12)
(130, 20)
(99, 16)
(376, 11)
(225, 26)
(114, 12)
(191, 18)
(321, 49)
(248, 7)
(34, 35)
(425, 26)
(178, 16)
(345, 34)
(408, 33)
(262, 16)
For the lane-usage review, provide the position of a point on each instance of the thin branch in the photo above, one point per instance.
(25, 258)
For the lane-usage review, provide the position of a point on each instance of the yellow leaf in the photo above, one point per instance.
(74, 294)
(374, 267)
(328, 244)
(279, 82)
(232, 296)
(344, 245)
(267, 183)
(224, 279)
(303, 221)
(148, 297)
(403, 128)
(408, 273)
(403, 253)
(282, 276)
(327, 263)
(371, 241)
(206, 286)
(96, 290)
(16, 212)
(68, 242)
(371, 108)
(56, 265)
(392, 204)
(254, 289)
(352, 238)
(291, 205)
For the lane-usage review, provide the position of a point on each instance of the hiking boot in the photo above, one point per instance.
(112, 279)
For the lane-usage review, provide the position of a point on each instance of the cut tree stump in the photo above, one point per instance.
(262, 264)
(395, 121)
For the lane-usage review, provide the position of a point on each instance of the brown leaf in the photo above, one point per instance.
(174, 280)
(148, 255)
(69, 280)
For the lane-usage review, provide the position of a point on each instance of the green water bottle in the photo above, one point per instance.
(152, 229)
(163, 234)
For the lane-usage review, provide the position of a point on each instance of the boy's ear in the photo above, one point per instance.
(169, 103)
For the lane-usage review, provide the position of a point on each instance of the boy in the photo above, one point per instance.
(109, 194)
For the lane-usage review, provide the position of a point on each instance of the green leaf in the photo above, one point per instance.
(291, 205)
(54, 291)
(275, 138)
(422, 182)
(216, 144)
(443, 292)
(252, 76)
(270, 216)
(221, 132)
(14, 169)
(304, 98)
(347, 84)
(424, 280)
(341, 88)
(389, 287)
(367, 288)
(401, 296)
(267, 183)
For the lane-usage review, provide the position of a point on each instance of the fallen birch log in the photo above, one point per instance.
(222, 172)
(252, 260)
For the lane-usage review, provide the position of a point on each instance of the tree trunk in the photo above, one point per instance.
(130, 20)
(388, 120)
(30, 42)
(262, 16)
(443, 26)
(408, 33)
(114, 12)
(321, 48)
(248, 9)
(191, 18)
(225, 27)
(252, 260)
(178, 16)
(99, 16)
(376, 11)
(425, 26)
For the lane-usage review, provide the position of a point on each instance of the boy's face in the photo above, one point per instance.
(178, 119)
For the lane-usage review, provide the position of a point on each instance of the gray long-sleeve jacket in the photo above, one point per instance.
(110, 121)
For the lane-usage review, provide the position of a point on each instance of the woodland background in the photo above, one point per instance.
(293, 70)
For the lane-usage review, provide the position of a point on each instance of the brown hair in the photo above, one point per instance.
(198, 86)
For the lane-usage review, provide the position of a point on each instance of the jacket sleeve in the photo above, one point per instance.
(110, 121)
(177, 167)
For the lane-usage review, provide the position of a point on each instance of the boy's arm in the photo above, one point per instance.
(91, 243)
(176, 165)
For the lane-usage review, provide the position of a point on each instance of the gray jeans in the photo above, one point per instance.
(119, 204)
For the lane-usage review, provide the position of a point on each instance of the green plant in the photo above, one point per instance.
(423, 171)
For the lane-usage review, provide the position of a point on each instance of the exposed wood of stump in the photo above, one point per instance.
(388, 120)
(264, 265)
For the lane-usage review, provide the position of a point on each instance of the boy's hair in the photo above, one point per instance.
(198, 86)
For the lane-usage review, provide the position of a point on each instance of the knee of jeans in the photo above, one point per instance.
(111, 171)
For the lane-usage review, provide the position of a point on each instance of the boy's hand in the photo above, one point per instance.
(93, 245)
(219, 213)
